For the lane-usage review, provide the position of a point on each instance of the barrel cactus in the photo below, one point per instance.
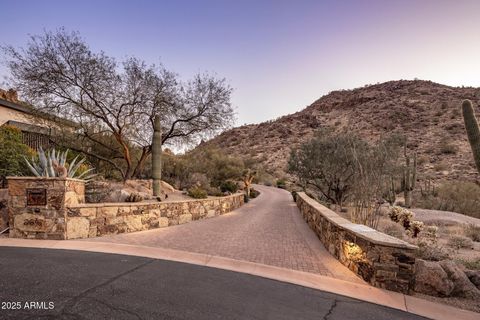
(473, 132)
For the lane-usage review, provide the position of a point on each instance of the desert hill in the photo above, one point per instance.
(428, 113)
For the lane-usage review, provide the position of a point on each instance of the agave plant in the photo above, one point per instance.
(54, 164)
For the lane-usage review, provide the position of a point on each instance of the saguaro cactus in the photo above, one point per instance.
(473, 133)
(157, 157)
(409, 177)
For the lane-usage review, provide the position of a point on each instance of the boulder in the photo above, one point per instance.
(474, 277)
(431, 279)
(462, 286)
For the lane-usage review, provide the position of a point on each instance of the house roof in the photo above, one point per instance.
(31, 111)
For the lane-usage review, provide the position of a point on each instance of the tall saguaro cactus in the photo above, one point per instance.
(473, 132)
(157, 157)
(409, 177)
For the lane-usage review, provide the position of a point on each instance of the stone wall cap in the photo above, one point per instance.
(44, 178)
(359, 230)
(147, 203)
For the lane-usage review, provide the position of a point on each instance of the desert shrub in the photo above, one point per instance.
(229, 186)
(461, 197)
(460, 242)
(430, 233)
(427, 251)
(343, 167)
(472, 231)
(401, 215)
(393, 229)
(12, 151)
(281, 183)
(268, 183)
(254, 193)
(404, 217)
(470, 264)
(446, 146)
(294, 195)
(197, 192)
(216, 192)
(200, 180)
(415, 228)
(440, 166)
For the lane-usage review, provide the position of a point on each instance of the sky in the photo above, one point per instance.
(279, 56)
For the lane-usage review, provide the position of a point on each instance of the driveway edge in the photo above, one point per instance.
(349, 289)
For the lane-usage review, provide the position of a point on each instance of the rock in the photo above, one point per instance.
(431, 279)
(134, 223)
(461, 284)
(474, 277)
(162, 222)
(184, 218)
(77, 228)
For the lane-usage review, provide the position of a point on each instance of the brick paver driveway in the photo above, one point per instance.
(267, 230)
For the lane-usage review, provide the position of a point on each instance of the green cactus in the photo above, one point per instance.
(473, 133)
(157, 157)
(391, 194)
(409, 177)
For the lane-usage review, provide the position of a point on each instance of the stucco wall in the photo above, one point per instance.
(379, 259)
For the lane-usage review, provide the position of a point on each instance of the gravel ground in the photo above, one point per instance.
(426, 215)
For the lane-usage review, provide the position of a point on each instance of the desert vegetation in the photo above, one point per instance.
(378, 184)
(342, 168)
(113, 105)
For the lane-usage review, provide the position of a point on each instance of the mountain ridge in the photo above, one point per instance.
(428, 113)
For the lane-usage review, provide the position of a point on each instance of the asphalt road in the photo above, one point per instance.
(87, 285)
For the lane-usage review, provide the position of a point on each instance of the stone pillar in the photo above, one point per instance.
(37, 205)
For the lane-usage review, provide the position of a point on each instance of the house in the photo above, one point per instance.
(36, 127)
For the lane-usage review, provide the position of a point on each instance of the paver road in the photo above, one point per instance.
(267, 230)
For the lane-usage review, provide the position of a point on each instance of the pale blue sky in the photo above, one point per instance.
(278, 55)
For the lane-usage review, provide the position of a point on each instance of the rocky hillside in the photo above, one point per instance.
(428, 113)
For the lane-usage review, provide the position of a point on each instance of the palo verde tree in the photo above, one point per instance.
(114, 104)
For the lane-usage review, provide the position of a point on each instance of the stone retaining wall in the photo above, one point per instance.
(55, 208)
(381, 260)
(93, 220)
(37, 206)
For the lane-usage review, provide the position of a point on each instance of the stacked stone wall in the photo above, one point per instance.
(37, 206)
(55, 208)
(381, 260)
(94, 220)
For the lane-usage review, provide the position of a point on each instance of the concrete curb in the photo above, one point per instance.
(353, 290)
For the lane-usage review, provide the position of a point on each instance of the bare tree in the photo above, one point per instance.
(115, 104)
(326, 164)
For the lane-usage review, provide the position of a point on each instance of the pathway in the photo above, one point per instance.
(267, 230)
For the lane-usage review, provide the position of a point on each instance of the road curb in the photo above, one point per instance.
(349, 289)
